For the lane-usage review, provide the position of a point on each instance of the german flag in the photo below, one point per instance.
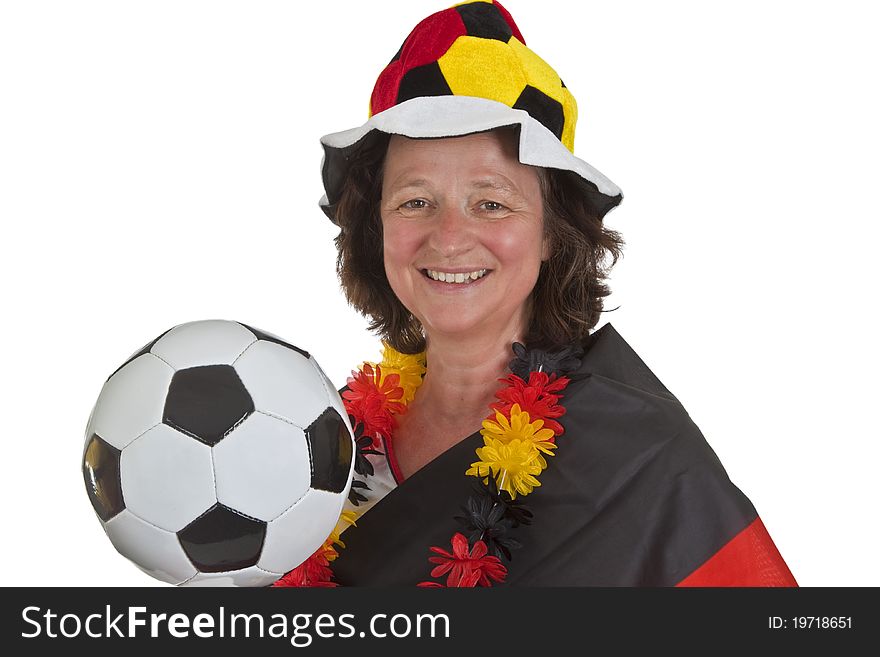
(634, 496)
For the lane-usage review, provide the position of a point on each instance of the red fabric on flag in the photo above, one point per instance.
(749, 559)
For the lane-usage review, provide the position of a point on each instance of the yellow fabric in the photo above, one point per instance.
(485, 68)
(538, 72)
(570, 110)
(488, 68)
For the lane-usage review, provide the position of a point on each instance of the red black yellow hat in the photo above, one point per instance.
(463, 70)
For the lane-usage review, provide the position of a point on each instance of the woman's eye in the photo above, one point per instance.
(415, 204)
(492, 206)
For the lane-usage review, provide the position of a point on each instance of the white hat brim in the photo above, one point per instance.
(452, 116)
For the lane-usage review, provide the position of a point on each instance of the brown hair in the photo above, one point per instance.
(567, 298)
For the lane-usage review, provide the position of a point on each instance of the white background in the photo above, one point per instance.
(159, 163)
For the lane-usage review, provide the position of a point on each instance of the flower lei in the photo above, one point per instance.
(518, 436)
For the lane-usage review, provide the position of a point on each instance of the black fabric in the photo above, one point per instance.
(421, 81)
(541, 107)
(482, 19)
(634, 496)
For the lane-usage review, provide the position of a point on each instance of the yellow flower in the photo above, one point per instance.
(519, 427)
(346, 519)
(410, 368)
(514, 464)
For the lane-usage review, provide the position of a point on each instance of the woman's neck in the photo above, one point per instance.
(462, 376)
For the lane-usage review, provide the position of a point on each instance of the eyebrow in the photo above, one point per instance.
(479, 184)
(494, 184)
(416, 182)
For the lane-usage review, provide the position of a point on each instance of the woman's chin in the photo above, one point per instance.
(454, 326)
(464, 327)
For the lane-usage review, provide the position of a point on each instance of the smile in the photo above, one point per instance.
(455, 277)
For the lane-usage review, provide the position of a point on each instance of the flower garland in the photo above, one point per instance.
(518, 436)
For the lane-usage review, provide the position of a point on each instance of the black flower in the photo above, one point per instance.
(486, 521)
(515, 510)
(362, 464)
(555, 361)
(355, 497)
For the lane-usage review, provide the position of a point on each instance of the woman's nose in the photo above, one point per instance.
(452, 232)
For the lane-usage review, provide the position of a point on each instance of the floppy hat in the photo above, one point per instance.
(464, 70)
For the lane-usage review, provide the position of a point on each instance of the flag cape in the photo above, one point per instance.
(634, 496)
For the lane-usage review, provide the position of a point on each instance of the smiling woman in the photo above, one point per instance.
(472, 238)
(441, 224)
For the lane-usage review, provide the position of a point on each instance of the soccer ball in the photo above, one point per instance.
(218, 455)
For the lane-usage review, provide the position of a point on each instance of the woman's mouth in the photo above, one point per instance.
(458, 278)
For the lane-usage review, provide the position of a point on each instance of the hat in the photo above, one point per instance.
(465, 70)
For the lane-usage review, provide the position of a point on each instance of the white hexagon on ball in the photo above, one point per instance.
(155, 551)
(262, 467)
(251, 576)
(270, 370)
(309, 522)
(167, 478)
(210, 341)
(131, 401)
(333, 395)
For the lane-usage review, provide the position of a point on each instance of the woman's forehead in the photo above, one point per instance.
(487, 157)
(493, 141)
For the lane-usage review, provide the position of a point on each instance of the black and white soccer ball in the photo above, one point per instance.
(218, 455)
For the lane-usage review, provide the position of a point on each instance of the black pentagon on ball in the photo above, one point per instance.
(541, 107)
(271, 338)
(482, 19)
(100, 469)
(207, 402)
(330, 446)
(221, 540)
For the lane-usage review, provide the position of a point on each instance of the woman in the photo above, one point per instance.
(469, 228)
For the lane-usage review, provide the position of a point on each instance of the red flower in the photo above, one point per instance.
(374, 405)
(466, 567)
(539, 398)
(314, 571)
(468, 581)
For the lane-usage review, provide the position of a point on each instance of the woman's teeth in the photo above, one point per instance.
(456, 278)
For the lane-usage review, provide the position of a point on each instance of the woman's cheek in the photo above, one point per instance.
(398, 252)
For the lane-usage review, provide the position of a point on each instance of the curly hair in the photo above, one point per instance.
(567, 298)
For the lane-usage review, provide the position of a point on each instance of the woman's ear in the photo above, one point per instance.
(545, 249)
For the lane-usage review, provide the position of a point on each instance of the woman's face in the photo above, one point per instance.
(463, 232)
